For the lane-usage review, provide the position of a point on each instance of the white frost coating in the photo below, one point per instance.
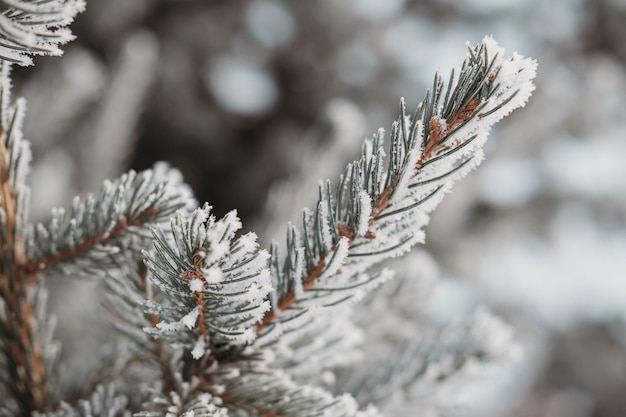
(248, 335)
(295, 319)
(196, 285)
(234, 284)
(496, 336)
(307, 354)
(248, 242)
(213, 275)
(217, 250)
(370, 411)
(514, 86)
(177, 225)
(234, 267)
(365, 213)
(198, 218)
(298, 273)
(23, 38)
(191, 318)
(232, 223)
(516, 73)
(257, 291)
(337, 258)
(199, 349)
(401, 188)
(166, 327)
(327, 237)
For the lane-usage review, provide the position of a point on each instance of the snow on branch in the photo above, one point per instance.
(31, 27)
(382, 202)
(332, 341)
(416, 372)
(126, 286)
(24, 362)
(83, 237)
(185, 400)
(14, 166)
(269, 392)
(104, 402)
(215, 286)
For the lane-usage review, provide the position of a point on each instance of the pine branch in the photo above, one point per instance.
(30, 27)
(259, 390)
(127, 286)
(185, 399)
(332, 341)
(104, 402)
(426, 359)
(202, 405)
(381, 204)
(83, 239)
(25, 372)
(213, 285)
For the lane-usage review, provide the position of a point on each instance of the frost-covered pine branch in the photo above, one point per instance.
(85, 236)
(104, 402)
(380, 205)
(210, 324)
(212, 292)
(425, 363)
(214, 285)
(34, 27)
(24, 361)
(82, 240)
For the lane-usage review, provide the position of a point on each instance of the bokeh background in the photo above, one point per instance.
(252, 98)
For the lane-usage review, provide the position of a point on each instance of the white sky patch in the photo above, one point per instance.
(337, 258)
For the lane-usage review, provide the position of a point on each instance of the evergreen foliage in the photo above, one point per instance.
(212, 325)
(35, 27)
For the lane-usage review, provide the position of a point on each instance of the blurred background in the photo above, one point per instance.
(254, 100)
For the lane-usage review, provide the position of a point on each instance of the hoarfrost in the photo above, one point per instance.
(199, 349)
(190, 319)
(196, 285)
